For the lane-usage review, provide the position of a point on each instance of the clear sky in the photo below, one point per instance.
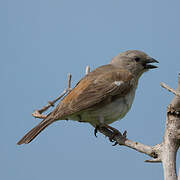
(43, 40)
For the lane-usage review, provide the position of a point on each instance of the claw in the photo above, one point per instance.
(125, 134)
(115, 133)
(96, 130)
(115, 143)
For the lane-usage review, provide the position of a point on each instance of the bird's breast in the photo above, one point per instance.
(110, 112)
(118, 108)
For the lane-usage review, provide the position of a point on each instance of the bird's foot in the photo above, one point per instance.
(115, 133)
(96, 130)
(124, 135)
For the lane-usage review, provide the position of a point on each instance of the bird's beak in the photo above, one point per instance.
(147, 62)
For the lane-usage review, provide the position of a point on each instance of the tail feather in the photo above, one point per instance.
(35, 131)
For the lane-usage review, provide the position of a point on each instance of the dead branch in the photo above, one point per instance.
(171, 141)
(87, 69)
(169, 89)
(38, 113)
(152, 151)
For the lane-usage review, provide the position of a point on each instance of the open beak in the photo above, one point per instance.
(147, 64)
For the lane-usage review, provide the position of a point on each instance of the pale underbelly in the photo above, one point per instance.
(107, 114)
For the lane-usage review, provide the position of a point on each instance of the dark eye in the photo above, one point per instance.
(137, 59)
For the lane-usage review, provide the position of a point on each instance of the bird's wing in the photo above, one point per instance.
(102, 85)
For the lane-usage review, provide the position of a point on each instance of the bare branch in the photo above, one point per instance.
(152, 151)
(38, 113)
(87, 69)
(171, 141)
(69, 82)
(169, 89)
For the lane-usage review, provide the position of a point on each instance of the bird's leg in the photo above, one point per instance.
(100, 120)
(114, 131)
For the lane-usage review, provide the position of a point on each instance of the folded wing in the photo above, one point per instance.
(106, 82)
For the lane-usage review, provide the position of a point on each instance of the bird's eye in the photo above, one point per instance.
(137, 59)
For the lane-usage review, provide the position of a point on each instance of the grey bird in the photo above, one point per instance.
(101, 97)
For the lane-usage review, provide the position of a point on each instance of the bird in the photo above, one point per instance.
(101, 97)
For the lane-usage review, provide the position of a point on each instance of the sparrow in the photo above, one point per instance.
(101, 97)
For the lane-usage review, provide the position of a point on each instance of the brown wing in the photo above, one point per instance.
(106, 81)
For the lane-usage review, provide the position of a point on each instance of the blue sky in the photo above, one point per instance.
(43, 40)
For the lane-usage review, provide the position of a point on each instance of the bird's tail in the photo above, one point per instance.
(35, 131)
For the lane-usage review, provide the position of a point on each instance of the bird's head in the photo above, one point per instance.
(135, 61)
